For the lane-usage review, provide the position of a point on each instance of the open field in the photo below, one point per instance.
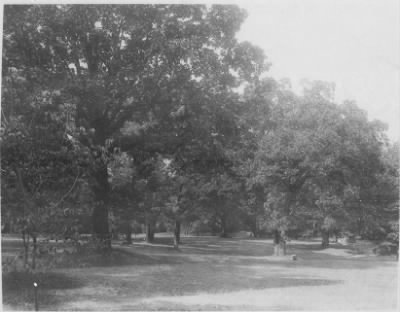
(210, 273)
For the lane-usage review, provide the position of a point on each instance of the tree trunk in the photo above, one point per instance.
(315, 229)
(128, 234)
(34, 252)
(25, 240)
(336, 233)
(177, 234)
(254, 227)
(100, 212)
(187, 228)
(223, 227)
(325, 238)
(279, 244)
(149, 232)
(280, 248)
(26, 203)
(100, 226)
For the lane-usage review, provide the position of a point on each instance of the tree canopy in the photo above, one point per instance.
(158, 112)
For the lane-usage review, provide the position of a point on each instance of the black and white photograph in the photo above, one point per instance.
(200, 155)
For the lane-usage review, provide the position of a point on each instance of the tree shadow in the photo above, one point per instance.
(18, 289)
(193, 247)
(196, 280)
(326, 262)
(15, 281)
(117, 257)
(185, 274)
(202, 246)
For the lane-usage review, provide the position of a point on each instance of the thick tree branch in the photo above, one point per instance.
(67, 193)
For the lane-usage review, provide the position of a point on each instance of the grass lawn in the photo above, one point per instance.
(210, 273)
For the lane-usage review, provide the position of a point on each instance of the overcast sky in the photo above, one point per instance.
(353, 43)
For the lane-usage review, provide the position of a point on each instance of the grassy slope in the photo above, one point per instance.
(210, 273)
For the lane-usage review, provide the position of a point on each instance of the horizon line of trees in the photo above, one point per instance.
(134, 111)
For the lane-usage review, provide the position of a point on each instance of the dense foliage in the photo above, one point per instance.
(156, 115)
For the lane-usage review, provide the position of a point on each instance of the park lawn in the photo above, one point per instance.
(210, 273)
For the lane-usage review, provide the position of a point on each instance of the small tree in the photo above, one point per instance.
(41, 170)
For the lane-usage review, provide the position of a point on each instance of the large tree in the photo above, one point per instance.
(312, 158)
(42, 174)
(125, 69)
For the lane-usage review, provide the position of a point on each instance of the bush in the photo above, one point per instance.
(198, 227)
(49, 254)
(161, 227)
(393, 235)
(346, 238)
(307, 234)
(386, 249)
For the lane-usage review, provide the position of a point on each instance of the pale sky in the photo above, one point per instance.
(353, 43)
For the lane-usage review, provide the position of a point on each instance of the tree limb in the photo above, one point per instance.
(69, 191)
(4, 117)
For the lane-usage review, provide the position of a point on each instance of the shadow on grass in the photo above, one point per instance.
(308, 256)
(215, 246)
(118, 257)
(321, 261)
(146, 277)
(312, 246)
(206, 246)
(318, 246)
(198, 280)
(16, 281)
(18, 288)
(194, 279)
